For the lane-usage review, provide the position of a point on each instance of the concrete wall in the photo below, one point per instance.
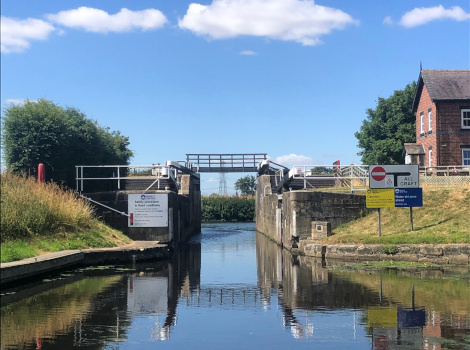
(267, 210)
(189, 203)
(184, 213)
(294, 216)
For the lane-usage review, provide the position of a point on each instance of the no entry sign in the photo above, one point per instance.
(394, 176)
(378, 173)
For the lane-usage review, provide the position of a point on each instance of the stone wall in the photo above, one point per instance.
(267, 209)
(423, 253)
(294, 216)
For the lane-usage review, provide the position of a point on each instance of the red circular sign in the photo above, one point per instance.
(378, 173)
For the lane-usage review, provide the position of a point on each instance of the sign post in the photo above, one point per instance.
(394, 186)
(380, 229)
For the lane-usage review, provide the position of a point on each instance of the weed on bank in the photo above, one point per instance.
(37, 218)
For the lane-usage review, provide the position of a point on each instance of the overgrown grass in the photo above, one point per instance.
(38, 218)
(444, 218)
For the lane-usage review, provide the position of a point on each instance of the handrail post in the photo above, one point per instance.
(119, 178)
(81, 178)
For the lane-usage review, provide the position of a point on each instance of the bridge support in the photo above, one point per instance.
(184, 212)
(293, 216)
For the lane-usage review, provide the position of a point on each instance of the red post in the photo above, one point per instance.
(41, 173)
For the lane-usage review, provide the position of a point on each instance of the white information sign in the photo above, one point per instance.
(393, 176)
(148, 210)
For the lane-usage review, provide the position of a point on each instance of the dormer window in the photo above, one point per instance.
(465, 118)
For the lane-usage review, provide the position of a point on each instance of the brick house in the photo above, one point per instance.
(442, 107)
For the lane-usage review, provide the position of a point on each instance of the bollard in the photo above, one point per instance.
(41, 173)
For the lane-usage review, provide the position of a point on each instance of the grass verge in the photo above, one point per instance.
(443, 219)
(40, 218)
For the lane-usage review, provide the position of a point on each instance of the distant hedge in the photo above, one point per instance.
(218, 208)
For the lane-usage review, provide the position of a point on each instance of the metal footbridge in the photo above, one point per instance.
(167, 176)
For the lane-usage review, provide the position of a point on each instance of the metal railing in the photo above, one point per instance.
(124, 172)
(355, 177)
(225, 162)
(450, 170)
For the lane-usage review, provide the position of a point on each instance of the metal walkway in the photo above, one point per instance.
(225, 163)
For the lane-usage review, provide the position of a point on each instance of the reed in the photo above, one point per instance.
(40, 218)
(31, 209)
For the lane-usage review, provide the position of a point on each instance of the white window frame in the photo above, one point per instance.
(429, 119)
(430, 158)
(422, 122)
(465, 159)
(465, 118)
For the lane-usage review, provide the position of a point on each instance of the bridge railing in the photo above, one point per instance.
(335, 177)
(221, 162)
(115, 174)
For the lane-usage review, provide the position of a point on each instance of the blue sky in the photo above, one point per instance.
(289, 78)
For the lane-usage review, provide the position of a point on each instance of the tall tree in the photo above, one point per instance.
(60, 138)
(246, 185)
(387, 128)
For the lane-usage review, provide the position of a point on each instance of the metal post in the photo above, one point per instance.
(380, 230)
(81, 178)
(305, 179)
(411, 218)
(119, 180)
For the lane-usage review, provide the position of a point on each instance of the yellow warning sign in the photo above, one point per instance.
(383, 317)
(380, 198)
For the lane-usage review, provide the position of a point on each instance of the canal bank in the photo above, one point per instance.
(18, 271)
(454, 254)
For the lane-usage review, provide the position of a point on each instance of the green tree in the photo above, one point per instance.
(322, 170)
(60, 138)
(246, 185)
(387, 128)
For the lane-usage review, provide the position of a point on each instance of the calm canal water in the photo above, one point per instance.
(234, 289)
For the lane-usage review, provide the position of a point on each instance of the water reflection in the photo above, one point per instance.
(92, 307)
(401, 309)
(234, 288)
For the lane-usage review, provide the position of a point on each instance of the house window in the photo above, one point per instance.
(429, 119)
(430, 156)
(422, 122)
(466, 156)
(465, 118)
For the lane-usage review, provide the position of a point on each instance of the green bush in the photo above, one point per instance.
(218, 208)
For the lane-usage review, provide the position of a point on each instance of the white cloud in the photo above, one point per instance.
(387, 20)
(17, 34)
(248, 53)
(293, 159)
(423, 15)
(99, 21)
(290, 20)
(16, 101)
